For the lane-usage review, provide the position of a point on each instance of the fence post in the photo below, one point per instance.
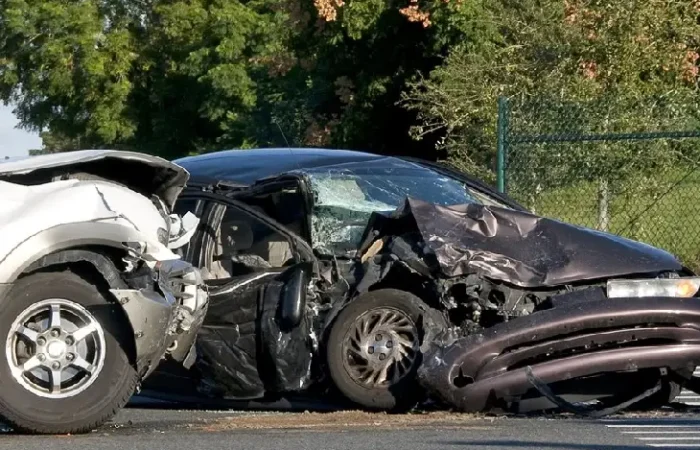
(502, 143)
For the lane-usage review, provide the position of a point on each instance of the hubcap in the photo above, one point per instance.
(381, 347)
(55, 348)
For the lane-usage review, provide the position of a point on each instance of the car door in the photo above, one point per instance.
(255, 339)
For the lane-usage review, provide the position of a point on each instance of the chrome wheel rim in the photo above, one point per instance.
(381, 347)
(55, 348)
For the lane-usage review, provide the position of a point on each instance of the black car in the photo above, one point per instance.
(387, 277)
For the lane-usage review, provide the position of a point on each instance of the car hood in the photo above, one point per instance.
(146, 174)
(518, 247)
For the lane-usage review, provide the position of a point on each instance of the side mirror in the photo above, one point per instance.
(293, 301)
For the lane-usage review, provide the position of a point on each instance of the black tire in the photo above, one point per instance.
(25, 410)
(406, 392)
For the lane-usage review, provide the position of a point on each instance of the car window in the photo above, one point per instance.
(285, 205)
(345, 197)
(240, 243)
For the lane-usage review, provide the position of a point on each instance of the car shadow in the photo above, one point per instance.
(154, 401)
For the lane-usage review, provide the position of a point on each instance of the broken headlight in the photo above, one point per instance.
(657, 287)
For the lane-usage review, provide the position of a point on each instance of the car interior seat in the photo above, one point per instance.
(274, 247)
(232, 249)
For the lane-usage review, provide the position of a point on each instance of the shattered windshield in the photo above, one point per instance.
(345, 196)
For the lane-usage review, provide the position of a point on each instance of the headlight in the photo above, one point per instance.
(657, 287)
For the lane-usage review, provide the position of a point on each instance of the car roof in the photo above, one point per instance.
(248, 166)
(245, 167)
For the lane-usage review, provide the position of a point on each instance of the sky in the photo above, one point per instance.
(13, 141)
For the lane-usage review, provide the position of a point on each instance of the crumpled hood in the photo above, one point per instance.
(521, 248)
(146, 174)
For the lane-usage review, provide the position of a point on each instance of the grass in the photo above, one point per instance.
(662, 210)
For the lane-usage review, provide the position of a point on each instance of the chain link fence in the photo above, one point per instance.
(630, 169)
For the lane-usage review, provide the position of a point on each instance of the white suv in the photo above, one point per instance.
(92, 295)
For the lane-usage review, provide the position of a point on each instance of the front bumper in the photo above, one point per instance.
(166, 321)
(568, 342)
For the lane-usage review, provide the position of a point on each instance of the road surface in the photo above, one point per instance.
(153, 429)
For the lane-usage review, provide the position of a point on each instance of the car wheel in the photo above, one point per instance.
(65, 368)
(374, 349)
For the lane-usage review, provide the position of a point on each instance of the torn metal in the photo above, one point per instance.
(146, 174)
(572, 341)
(259, 344)
(519, 248)
(110, 210)
(530, 295)
(514, 308)
(95, 295)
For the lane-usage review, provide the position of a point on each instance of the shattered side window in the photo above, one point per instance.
(345, 197)
(340, 214)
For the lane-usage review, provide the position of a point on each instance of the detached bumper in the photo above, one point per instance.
(166, 321)
(563, 343)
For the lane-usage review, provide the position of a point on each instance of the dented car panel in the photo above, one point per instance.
(524, 249)
(167, 318)
(57, 209)
(93, 290)
(239, 338)
(151, 315)
(570, 341)
(498, 300)
(147, 174)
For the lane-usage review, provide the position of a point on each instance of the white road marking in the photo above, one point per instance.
(662, 432)
(675, 445)
(669, 438)
(690, 398)
(651, 426)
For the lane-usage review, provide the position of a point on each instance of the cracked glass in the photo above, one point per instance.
(346, 195)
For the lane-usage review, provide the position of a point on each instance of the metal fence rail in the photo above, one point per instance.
(632, 169)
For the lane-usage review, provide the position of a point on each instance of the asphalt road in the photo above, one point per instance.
(152, 429)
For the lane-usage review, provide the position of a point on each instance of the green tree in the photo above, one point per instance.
(347, 63)
(570, 68)
(633, 63)
(181, 76)
(166, 77)
(66, 65)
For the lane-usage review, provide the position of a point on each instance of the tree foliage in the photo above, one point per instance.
(182, 76)
(572, 66)
(168, 77)
(174, 77)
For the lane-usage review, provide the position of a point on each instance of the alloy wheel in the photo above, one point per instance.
(55, 348)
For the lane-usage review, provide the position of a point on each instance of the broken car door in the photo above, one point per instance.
(255, 339)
